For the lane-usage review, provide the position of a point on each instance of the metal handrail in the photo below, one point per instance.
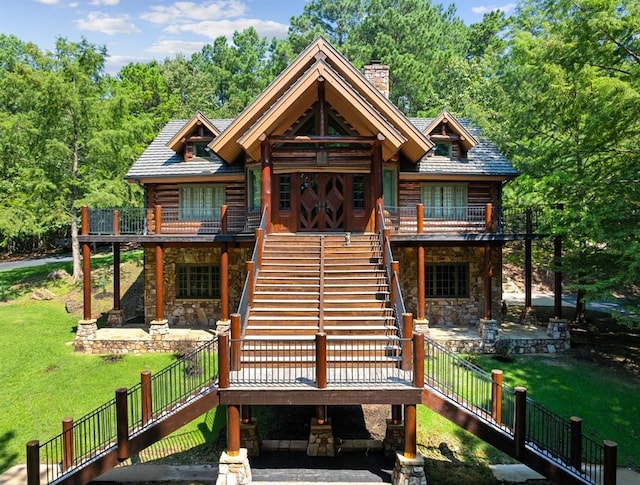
(399, 308)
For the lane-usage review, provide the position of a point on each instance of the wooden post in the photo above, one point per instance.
(488, 217)
(528, 272)
(250, 272)
(557, 286)
(520, 422)
(321, 360)
(116, 222)
(245, 410)
(396, 413)
(224, 282)
(575, 443)
(67, 443)
(488, 273)
(223, 361)
(235, 342)
(321, 413)
(223, 219)
(420, 218)
(496, 396)
(159, 282)
(395, 273)
(410, 418)
(158, 218)
(33, 462)
(84, 222)
(86, 281)
(146, 396)
(407, 341)
(418, 360)
(122, 423)
(378, 184)
(259, 240)
(233, 429)
(610, 462)
(267, 170)
(116, 276)
(421, 284)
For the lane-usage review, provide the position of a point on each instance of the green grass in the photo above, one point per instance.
(607, 400)
(43, 380)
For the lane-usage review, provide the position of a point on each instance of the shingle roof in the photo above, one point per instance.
(483, 159)
(158, 160)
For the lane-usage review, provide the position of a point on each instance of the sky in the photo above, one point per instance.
(142, 30)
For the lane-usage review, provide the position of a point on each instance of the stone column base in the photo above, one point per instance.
(249, 437)
(421, 325)
(87, 329)
(393, 438)
(489, 330)
(158, 329)
(222, 325)
(115, 318)
(234, 470)
(557, 328)
(409, 471)
(321, 441)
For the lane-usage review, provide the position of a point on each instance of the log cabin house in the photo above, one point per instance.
(317, 224)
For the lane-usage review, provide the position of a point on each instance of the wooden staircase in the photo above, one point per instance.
(320, 283)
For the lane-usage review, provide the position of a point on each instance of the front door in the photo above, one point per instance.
(321, 202)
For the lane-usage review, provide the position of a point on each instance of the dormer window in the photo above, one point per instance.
(201, 150)
(443, 149)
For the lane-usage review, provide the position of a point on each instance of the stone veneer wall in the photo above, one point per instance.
(451, 311)
(190, 312)
(515, 346)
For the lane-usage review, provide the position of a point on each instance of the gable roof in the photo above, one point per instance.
(178, 140)
(466, 138)
(347, 83)
(159, 161)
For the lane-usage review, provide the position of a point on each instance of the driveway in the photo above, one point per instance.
(28, 263)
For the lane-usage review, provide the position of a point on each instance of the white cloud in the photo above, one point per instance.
(190, 11)
(49, 2)
(115, 63)
(482, 9)
(100, 22)
(73, 5)
(216, 28)
(169, 48)
(105, 2)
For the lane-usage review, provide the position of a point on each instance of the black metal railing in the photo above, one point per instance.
(392, 276)
(96, 434)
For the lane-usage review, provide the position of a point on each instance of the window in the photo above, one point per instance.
(200, 150)
(444, 200)
(358, 191)
(254, 188)
(447, 281)
(201, 202)
(197, 281)
(390, 186)
(285, 192)
(443, 150)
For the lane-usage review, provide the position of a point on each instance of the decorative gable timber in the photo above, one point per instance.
(351, 81)
(343, 99)
(179, 139)
(466, 138)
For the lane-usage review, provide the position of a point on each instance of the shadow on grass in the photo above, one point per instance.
(7, 459)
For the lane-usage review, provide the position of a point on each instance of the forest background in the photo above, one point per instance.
(556, 86)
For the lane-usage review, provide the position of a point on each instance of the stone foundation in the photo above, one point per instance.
(489, 330)
(321, 440)
(393, 438)
(557, 329)
(516, 346)
(409, 471)
(249, 438)
(234, 470)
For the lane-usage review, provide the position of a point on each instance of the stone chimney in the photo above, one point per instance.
(378, 75)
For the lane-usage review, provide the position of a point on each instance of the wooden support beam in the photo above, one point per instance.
(158, 218)
(488, 217)
(321, 413)
(410, 426)
(223, 219)
(116, 276)
(557, 273)
(233, 430)
(307, 139)
(245, 410)
(520, 422)
(224, 282)
(159, 260)
(420, 311)
(396, 413)
(267, 171)
(488, 274)
(33, 462)
(223, 361)
(378, 184)
(146, 396)
(84, 224)
(321, 360)
(236, 343)
(86, 281)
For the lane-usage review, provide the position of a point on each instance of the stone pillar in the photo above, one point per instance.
(321, 441)
(249, 438)
(409, 471)
(394, 438)
(489, 330)
(234, 470)
(557, 328)
(115, 318)
(159, 329)
(85, 335)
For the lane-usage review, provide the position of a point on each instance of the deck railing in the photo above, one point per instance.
(111, 425)
(528, 422)
(392, 268)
